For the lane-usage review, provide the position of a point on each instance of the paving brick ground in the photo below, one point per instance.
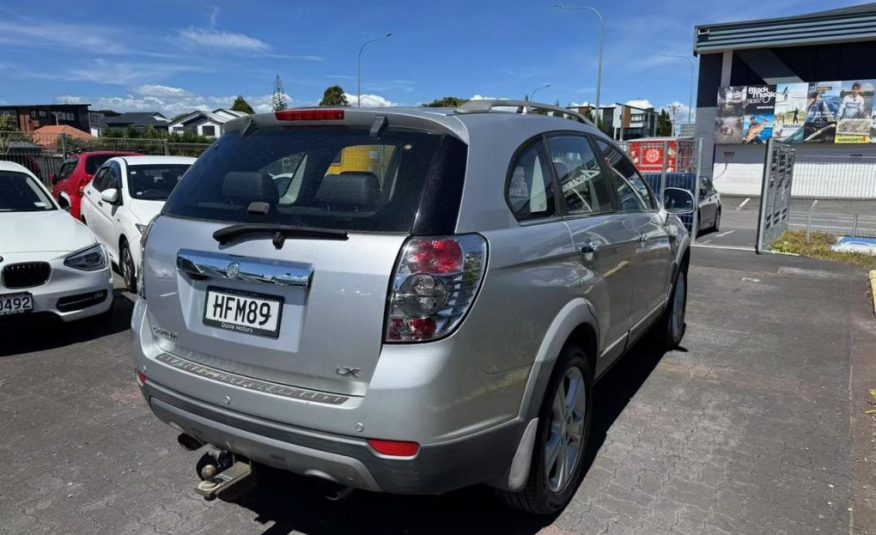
(755, 426)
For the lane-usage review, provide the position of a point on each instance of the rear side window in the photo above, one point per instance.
(627, 180)
(584, 187)
(66, 170)
(93, 163)
(325, 177)
(530, 190)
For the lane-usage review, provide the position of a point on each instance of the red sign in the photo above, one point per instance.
(648, 155)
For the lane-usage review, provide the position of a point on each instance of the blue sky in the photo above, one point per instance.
(174, 56)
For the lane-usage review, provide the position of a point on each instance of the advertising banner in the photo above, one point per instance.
(648, 156)
(855, 112)
(790, 112)
(729, 120)
(760, 105)
(822, 108)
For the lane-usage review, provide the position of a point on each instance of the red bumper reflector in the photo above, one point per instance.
(310, 115)
(394, 448)
(141, 378)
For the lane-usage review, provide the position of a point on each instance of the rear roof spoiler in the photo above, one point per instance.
(523, 107)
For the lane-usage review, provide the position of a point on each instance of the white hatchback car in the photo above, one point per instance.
(49, 262)
(124, 196)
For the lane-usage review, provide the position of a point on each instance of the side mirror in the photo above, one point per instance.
(678, 201)
(110, 195)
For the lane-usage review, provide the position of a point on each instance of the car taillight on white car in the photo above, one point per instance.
(435, 284)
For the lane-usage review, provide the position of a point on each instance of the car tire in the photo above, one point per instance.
(126, 267)
(552, 484)
(672, 325)
(717, 226)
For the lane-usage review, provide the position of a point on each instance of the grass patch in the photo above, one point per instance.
(818, 246)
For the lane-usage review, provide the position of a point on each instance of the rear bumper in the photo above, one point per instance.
(437, 468)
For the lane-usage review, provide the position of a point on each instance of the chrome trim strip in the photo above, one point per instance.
(649, 315)
(233, 267)
(608, 349)
(249, 383)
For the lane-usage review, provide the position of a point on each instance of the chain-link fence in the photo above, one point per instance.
(669, 163)
(834, 195)
(44, 154)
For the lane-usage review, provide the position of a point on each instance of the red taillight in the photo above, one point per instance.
(394, 448)
(435, 256)
(141, 378)
(435, 283)
(310, 115)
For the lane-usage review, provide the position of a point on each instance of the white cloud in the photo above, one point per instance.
(580, 104)
(126, 73)
(170, 101)
(370, 101)
(679, 112)
(640, 103)
(31, 32)
(481, 97)
(212, 38)
(156, 90)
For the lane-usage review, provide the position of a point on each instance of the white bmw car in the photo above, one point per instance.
(124, 196)
(49, 262)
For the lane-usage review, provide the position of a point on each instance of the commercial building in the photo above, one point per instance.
(624, 121)
(807, 80)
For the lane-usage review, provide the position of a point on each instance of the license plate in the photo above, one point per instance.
(244, 312)
(15, 304)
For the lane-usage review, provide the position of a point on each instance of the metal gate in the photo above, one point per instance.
(775, 198)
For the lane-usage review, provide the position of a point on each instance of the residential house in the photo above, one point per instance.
(204, 123)
(50, 136)
(29, 117)
(137, 120)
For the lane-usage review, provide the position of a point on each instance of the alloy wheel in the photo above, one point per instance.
(562, 450)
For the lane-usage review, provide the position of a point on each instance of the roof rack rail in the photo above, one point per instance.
(523, 107)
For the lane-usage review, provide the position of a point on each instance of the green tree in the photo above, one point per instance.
(278, 100)
(150, 132)
(240, 104)
(664, 124)
(334, 96)
(446, 102)
(132, 133)
(7, 123)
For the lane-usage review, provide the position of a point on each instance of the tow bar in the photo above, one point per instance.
(222, 474)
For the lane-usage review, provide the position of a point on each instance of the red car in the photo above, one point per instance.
(69, 184)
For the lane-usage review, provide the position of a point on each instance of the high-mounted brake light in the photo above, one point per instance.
(310, 115)
(394, 448)
(435, 284)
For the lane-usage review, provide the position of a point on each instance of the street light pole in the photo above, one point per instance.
(601, 47)
(359, 68)
(532, 93)
(690, 95)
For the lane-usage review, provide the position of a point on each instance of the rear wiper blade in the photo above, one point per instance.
(279, 233)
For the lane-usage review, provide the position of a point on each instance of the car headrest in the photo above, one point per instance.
(245, 187)
(360, 189)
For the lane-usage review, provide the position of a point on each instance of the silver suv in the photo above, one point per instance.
(404, 300)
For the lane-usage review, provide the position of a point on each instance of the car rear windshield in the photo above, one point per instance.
(154, 182)
(324, 177)
(93, 163)
(21, 193)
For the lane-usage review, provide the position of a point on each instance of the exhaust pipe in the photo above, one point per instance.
(188, 442)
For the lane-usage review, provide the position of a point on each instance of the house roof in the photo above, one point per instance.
(213, 116)
(141, 119)
(56, 130)
(857, 23)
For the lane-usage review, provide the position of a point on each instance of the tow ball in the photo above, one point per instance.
(222, 474)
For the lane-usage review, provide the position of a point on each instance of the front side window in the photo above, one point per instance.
(530, 190)
(154, 182)
(66, 170)
(100, 182)
(632, 191)
(584, 187)
(21, 193)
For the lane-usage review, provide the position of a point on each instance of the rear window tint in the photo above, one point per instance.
(323, 177)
